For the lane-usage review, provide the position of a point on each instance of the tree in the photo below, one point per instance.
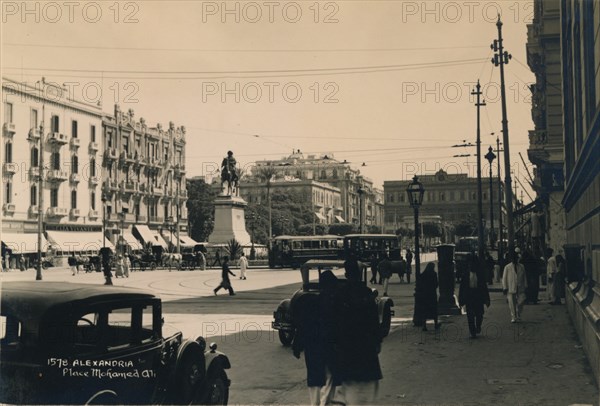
(431, 230)
(307, 229)
(201, 210)
(464, 229)
(233, 248)
(266, 173)
(343, 229)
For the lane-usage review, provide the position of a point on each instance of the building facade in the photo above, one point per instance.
(546, 149)
(44, 128)
(452, 197)
(143, 172)
(358, 196)
(580, 55)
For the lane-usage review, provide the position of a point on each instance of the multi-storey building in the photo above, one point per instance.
(353, 187)
(580, 57)
(143, 172)
(44, 127)
(546, 149)
(453, 197)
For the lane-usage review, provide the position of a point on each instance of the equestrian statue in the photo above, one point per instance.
(229, 174)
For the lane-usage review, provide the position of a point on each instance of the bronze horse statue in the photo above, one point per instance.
(229, 174)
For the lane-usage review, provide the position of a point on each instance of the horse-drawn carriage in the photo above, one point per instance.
(143, 260)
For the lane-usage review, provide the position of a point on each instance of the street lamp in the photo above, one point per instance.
(170, 225)
(361, 225)
(415, 192)
(490, 156)
(104, 199)
(122, 219)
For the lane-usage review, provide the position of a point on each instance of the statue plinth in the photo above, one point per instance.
(230, 221)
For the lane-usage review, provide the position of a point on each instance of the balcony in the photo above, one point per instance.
(93, 146)
(130, 217)
(128, 187)
(110, 186)
(94, 180)
(93, 214)
(179, 170)
(75, 178)
(143, 188)
(34, 172)
(57, 212)
(57, 175)
(139, 160)
(34, 134)
(75, 142)
(33, 211)
(9, 129)
(57, 138)
(8, 207)
(141, 219)
(110, 154)
(113, 217)
(157, 191)
(155, 219)
(183, 194)
(75, 213)
(10, 168)
(537, 139)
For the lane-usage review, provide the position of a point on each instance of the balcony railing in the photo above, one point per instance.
(75, 213)
(110, 185)
(141, 219)
(57, 138)
(10, 168)
(75, 178)
(75, 142)
(94, 180)
(130, 217)
(93, 214)
(156, 219)
(157, 191)
(34, 134)
(34, 172)
(33, 211)
(8, 207)
(110, 154)
(57, 175)
(538, 138)
(93, 146)
(57, 211)
(9, 129)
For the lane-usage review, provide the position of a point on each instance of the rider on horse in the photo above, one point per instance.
(229, 173)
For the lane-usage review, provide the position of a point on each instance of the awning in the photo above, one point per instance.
(149, 237)
(186, 241)
(131, 241)
(320, 216)
(340, 219)
(23, 243)
(73, 241)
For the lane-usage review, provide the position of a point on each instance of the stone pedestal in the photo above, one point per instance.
(230, 222)
(446, 302)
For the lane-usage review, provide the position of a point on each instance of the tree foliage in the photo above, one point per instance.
(234, 249)
(343, 229)
(201, 209)
(464, 229)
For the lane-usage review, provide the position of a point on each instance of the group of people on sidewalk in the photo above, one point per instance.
(338, 331)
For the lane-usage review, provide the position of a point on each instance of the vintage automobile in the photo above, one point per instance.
(67, 343)
(283, 317)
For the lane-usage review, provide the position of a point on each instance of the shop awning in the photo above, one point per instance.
(131, 241)
(320, 216)
(340, 219)
(186, 241)
(149, 237)
(73, 241)
(23, 243)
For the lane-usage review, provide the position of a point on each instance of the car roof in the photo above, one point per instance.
(373, 235)
(308, 237)
(32, 300)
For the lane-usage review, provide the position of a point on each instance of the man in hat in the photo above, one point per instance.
(229, 172)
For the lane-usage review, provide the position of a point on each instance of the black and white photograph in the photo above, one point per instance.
(300, 202)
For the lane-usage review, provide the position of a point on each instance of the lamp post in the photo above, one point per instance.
(415, 193)
(500, 238)
(170, 225)
(361, 223)
(122, 220)
(104, 199)
(490, 156)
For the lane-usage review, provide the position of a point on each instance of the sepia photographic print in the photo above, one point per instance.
(309, 202)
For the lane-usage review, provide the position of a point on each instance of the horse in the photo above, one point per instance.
(232, 182)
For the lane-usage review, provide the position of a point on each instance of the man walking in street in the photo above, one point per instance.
(409, 258)
(72, 261)
(385, 272)
(514, 283)
(217, 260)
(243, 264)
(551, 270)
(225, 282)
(473, 294)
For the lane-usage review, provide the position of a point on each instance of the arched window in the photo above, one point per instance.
(323, 174)
(35, 157)
(74, 164)
(335, 174)
(93, 200)
(8, 152)
(93, 168)
(73, 199)
(33, 195)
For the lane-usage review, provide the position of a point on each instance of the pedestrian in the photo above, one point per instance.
(225, 282)
(357, 339)
(426, 298)
(119, 269)
(489, 262)
(126, 266)
(105, 256)
(374, 268)
(532, 275)
(559, 280)
(201, 260)
(243, 264)
(385, 272)
(22, 263)
(72, 261)
(514, 283)
(315, 336)
(409, 259)
(551, 270)
(473, 294)
(217, 258)
(6, 261)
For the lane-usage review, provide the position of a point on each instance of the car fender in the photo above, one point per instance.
(284, 310)
(216, 360)
(189, 348)
(382, 302)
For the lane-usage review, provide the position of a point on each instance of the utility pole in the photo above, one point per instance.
(479, 104)
(38, 271)
(501, 58)
(500, 238)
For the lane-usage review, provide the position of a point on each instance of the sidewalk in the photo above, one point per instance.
(536, 362)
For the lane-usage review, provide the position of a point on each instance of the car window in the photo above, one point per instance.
(10, 330)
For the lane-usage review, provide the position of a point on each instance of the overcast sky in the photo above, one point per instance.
(386, 83)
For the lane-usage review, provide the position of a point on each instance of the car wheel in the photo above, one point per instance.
(286, 337)
(217, 389)
(386, 320)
